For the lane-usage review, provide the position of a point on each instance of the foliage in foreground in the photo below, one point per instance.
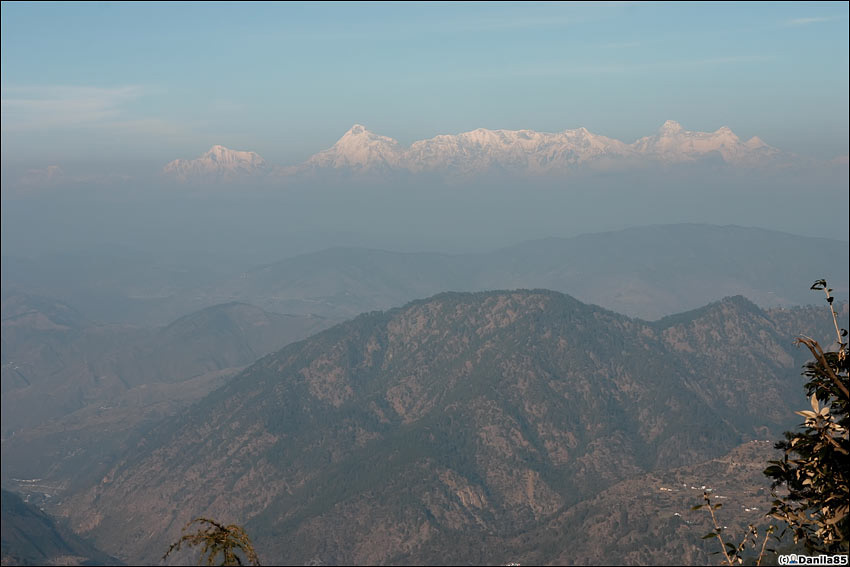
(231, 542)
(734, 554)
(815, 470)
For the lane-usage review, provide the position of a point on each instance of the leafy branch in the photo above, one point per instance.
(839, 333)
(815, 469)
(217, 539)
(734, 554)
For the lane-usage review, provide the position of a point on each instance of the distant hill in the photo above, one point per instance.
(106, 287)
(31, 537)
(455, 430)
(73, 389)
(646, 272)
(55, 361)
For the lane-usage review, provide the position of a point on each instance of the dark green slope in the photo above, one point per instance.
(31, 537)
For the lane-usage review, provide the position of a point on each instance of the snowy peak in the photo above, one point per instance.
(527, 151)
(359, 149)
(670, 128)
(480, 151)
(233, 158)
(755, 142)
(673, 143)
(218, 162)
(357, 130)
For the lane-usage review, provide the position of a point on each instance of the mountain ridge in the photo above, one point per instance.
(74, 394)
(647, 272)
(464, 415)
(360, 151)
(217, 162)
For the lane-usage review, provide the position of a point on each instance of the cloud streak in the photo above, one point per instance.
(554, 70)
(27, 108)
(806, 21)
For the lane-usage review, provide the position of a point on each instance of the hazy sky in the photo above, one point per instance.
(111, 85)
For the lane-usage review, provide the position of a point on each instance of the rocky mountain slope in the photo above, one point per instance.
(447, 430)
(648, 520)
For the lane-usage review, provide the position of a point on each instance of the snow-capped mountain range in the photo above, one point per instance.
(481, 151)
(218, 162)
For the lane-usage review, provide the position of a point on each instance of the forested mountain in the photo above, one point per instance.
(453, 429)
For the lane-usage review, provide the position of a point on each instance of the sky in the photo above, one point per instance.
(115, 86)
